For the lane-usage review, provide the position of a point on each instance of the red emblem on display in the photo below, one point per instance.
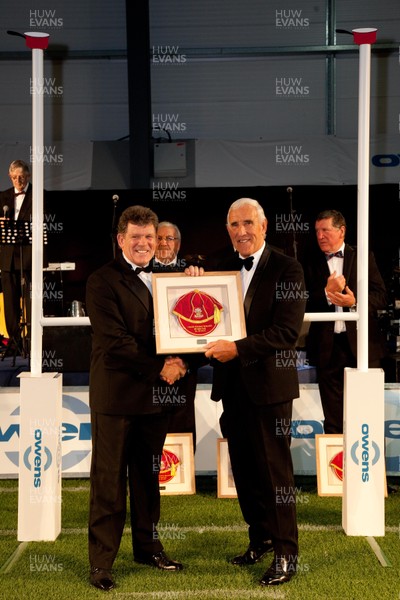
(169, 466)
(336, 464)
(198, 313)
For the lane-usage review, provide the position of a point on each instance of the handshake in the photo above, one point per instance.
(174, 368)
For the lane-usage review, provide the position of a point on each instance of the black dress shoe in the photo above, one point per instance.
(159, 560)
(253, 554)
(280, 571)
(102, 579)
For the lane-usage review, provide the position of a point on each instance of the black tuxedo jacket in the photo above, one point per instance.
(320, 339)
(124, 372)
(274, 309)
(10, 254)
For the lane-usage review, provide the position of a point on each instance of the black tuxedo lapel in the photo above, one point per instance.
(25, 213)
(348, 266)
(135, 284)
(255, 279)
(321, 264)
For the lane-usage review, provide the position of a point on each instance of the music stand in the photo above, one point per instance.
(18, 232)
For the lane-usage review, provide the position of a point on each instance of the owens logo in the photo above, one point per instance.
(42, 459)
(77, 430)
(367, 447)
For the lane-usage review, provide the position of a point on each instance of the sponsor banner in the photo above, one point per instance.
(76, 442)
(76, 432)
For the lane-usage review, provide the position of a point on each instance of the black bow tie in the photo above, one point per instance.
(18, 194)
(247, 263)
(143, 269)
(339, 254)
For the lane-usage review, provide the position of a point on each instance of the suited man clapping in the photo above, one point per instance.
(331, 278)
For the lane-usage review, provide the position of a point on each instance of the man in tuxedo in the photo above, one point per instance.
(128, 386)
(16, 204)
(331, 281)
(168, 246)
(256, 378)
(182, 411)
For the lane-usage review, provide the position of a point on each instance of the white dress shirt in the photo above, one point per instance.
(247, 276)
(336, 264)
(145, 277)
(18, 200)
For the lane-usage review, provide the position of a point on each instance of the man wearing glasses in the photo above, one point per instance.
(182, 411)
(168, 245)
(16, 205)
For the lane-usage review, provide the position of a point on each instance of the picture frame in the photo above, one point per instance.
(329, 455)
(177, 473)
(189, 311)
(225, 483)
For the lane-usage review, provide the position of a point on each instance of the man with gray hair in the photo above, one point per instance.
(257, 390)
(15, 260)
(168, 246)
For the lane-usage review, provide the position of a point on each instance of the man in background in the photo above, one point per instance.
(166, 260)
(331, 281)
(168, 246)
(16, 259)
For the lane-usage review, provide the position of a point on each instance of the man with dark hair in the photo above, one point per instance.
(128, 383)
(331, 280)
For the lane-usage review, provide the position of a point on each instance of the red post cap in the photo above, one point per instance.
(36, 40)
(364, 35)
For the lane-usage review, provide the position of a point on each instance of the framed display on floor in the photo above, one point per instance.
(329, 453)
(176, 474)
(225, 482)
(330, 472)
